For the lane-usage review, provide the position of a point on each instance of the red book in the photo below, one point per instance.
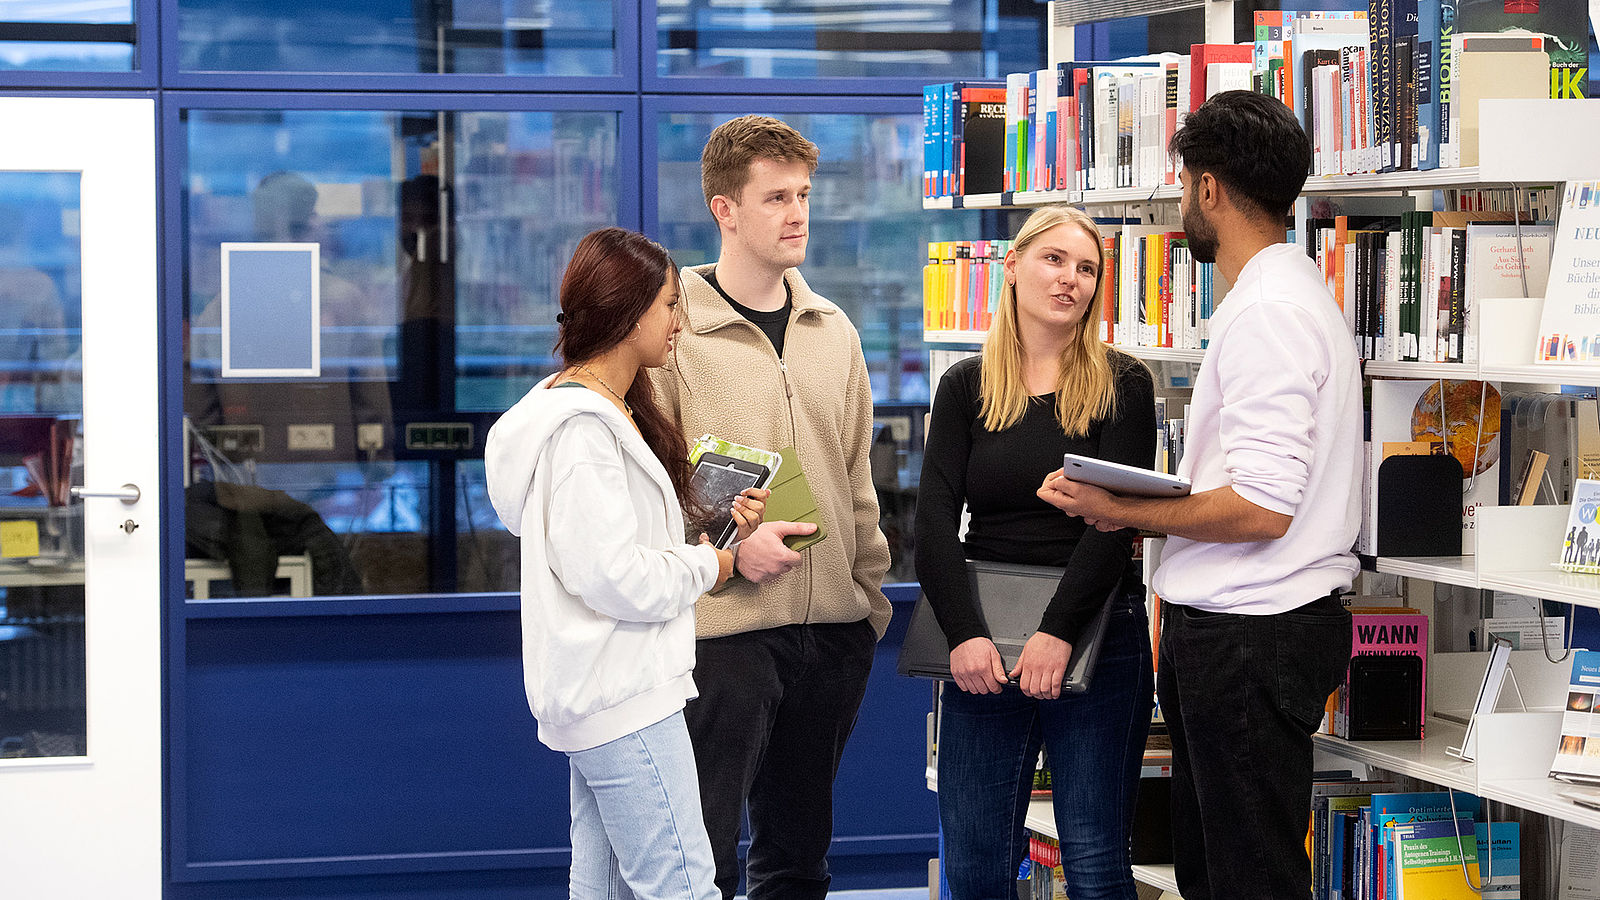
(1202, 55)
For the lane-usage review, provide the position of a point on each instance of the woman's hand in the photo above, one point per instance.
(724, 562)
(748, 509)
(977, 667)
(1042, 666)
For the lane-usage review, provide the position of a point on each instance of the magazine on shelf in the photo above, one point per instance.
(1578, 754)
(1569, 328)
(1580, 543)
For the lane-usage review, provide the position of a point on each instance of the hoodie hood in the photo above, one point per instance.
(515, 445)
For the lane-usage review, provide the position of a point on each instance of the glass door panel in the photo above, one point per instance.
(43, 694)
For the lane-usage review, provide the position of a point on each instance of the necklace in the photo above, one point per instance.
(624, 403)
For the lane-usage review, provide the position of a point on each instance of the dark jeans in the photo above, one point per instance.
(1242, 696)
(775, 709)
(1094, 746)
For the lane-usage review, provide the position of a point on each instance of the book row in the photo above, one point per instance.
(1393, 87)
(1153, 293)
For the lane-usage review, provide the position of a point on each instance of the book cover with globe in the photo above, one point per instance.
(1460, 417)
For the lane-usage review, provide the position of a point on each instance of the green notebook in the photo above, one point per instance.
(792, 501)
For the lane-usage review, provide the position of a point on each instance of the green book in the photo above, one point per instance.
(792, 501)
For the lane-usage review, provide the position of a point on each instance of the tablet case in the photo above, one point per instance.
(1011, 601)
(1419, 506)
(792, 501)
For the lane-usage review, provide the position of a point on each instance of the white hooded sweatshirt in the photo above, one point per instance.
(608, 583)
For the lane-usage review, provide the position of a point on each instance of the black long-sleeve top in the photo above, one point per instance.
(997, 475)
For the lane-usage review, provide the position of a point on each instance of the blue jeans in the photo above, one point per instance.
(1241, 696)
(636, 824)
(1094, 746)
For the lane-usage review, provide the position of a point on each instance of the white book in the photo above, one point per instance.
(1427, 303)
(1495, 267)
(1152, 113)
(1044, 109)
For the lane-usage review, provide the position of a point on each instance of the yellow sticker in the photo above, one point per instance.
(19, 538)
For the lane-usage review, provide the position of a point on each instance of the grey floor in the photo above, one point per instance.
(916, 893)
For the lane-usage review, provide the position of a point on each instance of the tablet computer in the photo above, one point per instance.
(1120, 479)
(717, 481)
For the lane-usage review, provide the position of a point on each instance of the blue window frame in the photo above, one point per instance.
(856, 47)
(581, 45)
(97, 44)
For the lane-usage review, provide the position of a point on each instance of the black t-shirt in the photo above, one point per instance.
(996, 474)
(774, 324)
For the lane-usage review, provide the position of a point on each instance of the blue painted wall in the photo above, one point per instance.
(323, 754)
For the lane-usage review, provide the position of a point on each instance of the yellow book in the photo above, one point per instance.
(1150, 335)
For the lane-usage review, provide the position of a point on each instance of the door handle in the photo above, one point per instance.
(129, 494)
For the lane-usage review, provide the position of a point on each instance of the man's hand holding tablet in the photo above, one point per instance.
(1083, 487)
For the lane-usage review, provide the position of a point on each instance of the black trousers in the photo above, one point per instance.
(1241, 696)
(769, 727)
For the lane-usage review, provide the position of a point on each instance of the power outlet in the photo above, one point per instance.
(369, 436)
(311, 437)
(236, 442)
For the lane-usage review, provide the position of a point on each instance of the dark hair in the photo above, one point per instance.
(613, 278)
(1252, 144)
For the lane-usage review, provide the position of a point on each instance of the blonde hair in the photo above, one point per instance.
(1086, 390)
(735, 144)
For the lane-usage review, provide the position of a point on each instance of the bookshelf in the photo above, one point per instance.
(1042, 821)
(1517, 546)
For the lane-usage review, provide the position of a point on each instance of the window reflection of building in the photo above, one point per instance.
(34, 344)
(251, 525)
(442, 236)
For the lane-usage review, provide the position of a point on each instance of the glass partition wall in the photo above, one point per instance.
(441, 237)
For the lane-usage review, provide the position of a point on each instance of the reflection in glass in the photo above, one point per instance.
(935, 40)
(405, 37)
(869, 237)
(42, 694)
(442, 237)
(88, 36)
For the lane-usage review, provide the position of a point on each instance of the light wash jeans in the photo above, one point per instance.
(637, 830)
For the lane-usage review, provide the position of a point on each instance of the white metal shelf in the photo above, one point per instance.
(1167, 354)
(1433, 179)
(1041, 820)
(1457, 570)
(953, 337)
(1425, 759)
(1161, 877)
(1456, 371)
(1466, 176)
(1513, 753)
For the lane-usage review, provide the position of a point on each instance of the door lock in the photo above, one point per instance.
(129, 525)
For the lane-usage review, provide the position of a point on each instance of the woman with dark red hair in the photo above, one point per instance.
(594, 477)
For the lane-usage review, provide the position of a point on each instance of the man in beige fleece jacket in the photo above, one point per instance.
(782, 666)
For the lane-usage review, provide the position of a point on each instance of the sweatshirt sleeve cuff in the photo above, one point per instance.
(1263, 499)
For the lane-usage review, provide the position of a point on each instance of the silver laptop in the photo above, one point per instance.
(1011, 600)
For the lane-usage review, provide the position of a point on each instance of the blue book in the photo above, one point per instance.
(1502, 861)
(947, 144)
(1430, 17)
(1406, 809)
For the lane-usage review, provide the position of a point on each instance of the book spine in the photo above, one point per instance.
(1381, 15)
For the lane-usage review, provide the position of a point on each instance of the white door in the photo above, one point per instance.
(80, 601)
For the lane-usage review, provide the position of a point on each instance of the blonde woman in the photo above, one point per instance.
(1044, 385)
